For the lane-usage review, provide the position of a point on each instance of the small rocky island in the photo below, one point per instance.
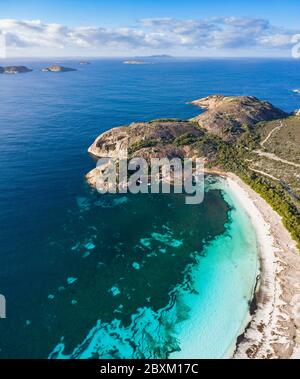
(58, 68)
(84, 63)
(14, 70)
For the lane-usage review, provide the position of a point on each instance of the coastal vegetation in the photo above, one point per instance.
(240, 158)
(140, 145)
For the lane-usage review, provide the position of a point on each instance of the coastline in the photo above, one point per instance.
(274, 329)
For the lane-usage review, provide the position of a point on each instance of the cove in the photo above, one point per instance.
(206, 306)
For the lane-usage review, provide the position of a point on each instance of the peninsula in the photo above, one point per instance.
(256, 147)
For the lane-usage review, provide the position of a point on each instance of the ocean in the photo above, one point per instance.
(89, 275)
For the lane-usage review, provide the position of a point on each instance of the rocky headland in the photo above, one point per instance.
(256, 147)
(225, 118)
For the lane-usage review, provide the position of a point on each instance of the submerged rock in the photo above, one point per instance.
(58, 68)
(71, 280)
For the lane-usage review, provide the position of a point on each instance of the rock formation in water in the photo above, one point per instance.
(14, 70)
(58, 68)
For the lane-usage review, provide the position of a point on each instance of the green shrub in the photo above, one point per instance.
(141, 144)
(185, 139)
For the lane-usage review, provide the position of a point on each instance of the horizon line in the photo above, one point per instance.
(147, 56)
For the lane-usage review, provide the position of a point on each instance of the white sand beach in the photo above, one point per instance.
(274, 331)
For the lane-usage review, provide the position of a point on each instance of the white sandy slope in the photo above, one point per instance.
(274, 331)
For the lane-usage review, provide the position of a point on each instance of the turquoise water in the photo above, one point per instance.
(74, 264)
(225, 283)
(206, 310)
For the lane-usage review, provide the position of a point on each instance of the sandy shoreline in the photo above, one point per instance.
(274, 331)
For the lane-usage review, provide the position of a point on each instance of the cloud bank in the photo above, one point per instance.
(155, 34)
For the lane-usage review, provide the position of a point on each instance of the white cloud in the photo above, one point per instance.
(154, 34)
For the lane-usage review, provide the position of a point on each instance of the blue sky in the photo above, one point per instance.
(120, 12)
(186, 30)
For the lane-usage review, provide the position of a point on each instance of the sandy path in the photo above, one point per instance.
(271, 132)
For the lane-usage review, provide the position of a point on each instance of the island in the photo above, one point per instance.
(135, 62)
(159, 56)
(14, 70)
(255, 147)
(58, 68)
(84, 63)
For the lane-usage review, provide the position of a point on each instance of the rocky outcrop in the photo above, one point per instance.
(154, 139)
(157, 138)
(297, 112)
(15, 70)
(229, 116)
(58, 68)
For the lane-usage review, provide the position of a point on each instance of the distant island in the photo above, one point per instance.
(147, 59)
(58, 68)
(14, 70)
(255, 147)
(136, 62)
(161, 56)
(84, 62)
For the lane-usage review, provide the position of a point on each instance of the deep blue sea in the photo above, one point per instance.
(76, 268)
